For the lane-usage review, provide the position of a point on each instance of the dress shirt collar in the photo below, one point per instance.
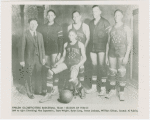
(32, 32)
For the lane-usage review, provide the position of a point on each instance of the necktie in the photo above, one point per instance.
(36, 44)
(34, 36)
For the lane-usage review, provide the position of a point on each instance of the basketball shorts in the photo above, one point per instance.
(117, 51)
(98, 47)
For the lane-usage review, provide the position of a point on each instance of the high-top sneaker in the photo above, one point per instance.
(103, 91)
(111, 93)
(121, 96)
(92, 90)
(54, 90)
(82, 93)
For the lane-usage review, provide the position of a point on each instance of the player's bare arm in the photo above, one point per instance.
(107, 49)
(83, 55)
(87, 34)
(63, 56)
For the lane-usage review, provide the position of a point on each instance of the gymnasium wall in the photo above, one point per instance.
(64, 18)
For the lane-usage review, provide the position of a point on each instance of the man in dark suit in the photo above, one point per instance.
(32, 58)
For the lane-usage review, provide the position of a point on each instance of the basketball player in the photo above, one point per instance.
(82, 29)
(53, 42)
(117, 54)
(98, 40)
(73, 57)
(83, 35)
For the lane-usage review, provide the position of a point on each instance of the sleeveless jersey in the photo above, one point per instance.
(118, 38)
(73, 54)
(80, 34)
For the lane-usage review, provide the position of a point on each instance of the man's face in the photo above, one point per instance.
(118, 16)
(72, 36)
(76, 17)
(51, 16)
(96, 12)
(33, 25)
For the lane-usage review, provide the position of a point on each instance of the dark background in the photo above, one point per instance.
(21, 14)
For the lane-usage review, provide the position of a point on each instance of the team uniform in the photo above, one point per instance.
(117, 49)
(118, 42)
(98, 41)
(73, 57)
(98, 35)
(82, 38)
(53, 39)
(80, 34)
(53, 44)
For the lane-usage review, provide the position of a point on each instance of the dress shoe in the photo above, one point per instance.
(30, 96)
(43, 93)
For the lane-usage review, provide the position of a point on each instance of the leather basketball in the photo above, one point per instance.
(66, 96)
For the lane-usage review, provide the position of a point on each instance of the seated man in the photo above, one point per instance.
(73, 57)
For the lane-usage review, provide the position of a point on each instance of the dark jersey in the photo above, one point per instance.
(73, 54)
(80, 34)
(53, 38)
(98, 35)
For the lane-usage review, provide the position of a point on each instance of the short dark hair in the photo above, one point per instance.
(96, 6)
(32, 19)
(118, 10)
(76, 12)
(72, 30)
(51, 11)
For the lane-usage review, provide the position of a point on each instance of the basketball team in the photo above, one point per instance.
(109, 45)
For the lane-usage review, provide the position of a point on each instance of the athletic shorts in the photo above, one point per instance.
(117, 51)
(98, 47)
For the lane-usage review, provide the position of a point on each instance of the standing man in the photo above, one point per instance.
(32, 57)
(82, 29)
(83, 34)
(98, 39)
(117, 54)
(53, 41)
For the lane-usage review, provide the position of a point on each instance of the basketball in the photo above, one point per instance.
(66, 96)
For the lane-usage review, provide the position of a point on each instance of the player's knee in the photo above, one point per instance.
(81, 69)
(122, 72)
(49, 84)
(112, 72)
(112, 82)
(122, 83)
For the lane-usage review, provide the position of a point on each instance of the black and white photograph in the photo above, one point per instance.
(75, 59)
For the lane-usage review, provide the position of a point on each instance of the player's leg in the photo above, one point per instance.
(102, 72)
(47, 59)
(55, 77)
(112, 76)
(76, 83)
(50, 88)
(93, 57)
(94, 65)
(121, 78)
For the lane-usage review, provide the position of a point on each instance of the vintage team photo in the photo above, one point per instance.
(75, 54)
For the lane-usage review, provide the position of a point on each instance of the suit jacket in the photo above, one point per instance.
(28, 48)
